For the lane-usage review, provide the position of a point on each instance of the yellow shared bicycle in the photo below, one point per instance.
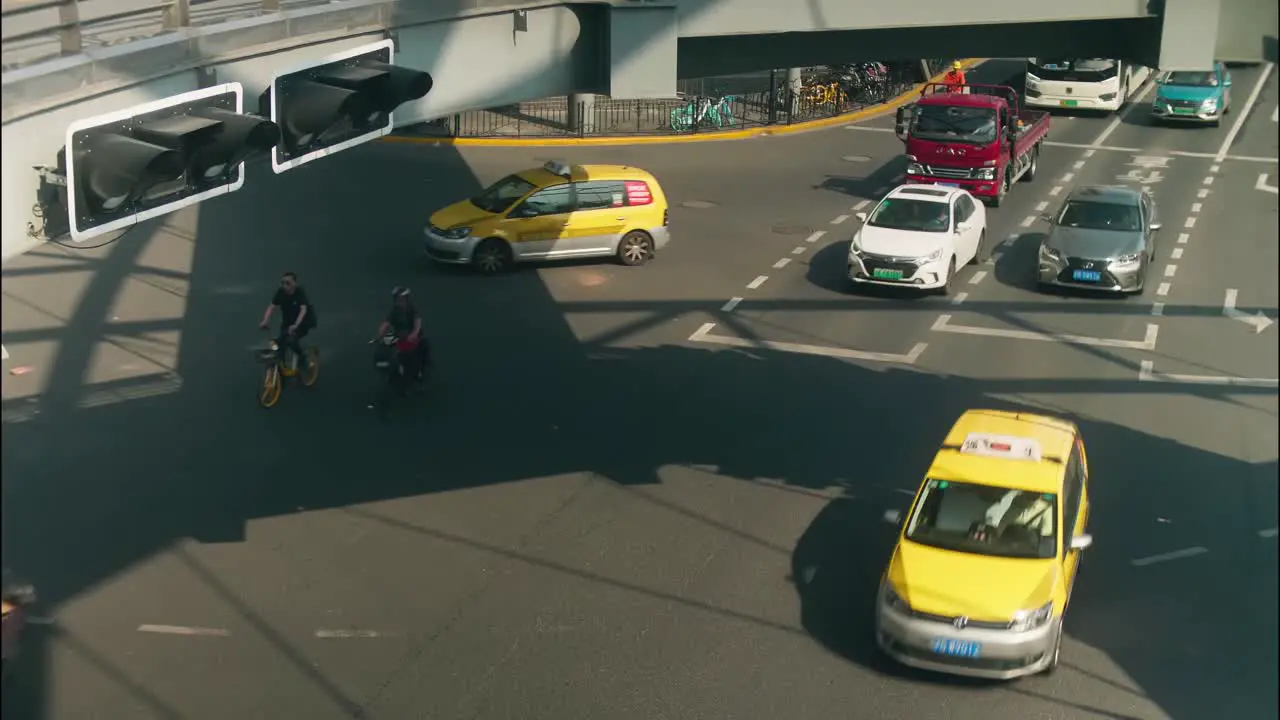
(281, 365)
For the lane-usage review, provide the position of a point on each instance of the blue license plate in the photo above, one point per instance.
(1086, 275)
(949, 184)
(957, 648)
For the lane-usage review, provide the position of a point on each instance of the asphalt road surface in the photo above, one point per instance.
(593, 515)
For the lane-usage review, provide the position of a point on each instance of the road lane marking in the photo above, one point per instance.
(1147, 373)
(1243, 113)
(729, 306)
(861, 204)
(1176, 254)
(1183, 238)
(1202, 193)
(1170, 270)
(995, 257)
(1268, 533)
(1028, 221)
(943, 324)
(1078, 164)
(760, 280)
(1208, 180)
(1195, 207)
(1068, 177)
(1212, 156)
(1042, 206)
(1055, 190)
(1163, 289)
(882, 190)
(798, 250)
(1147, 86)
(1157, 309)
(814, 237)
(1166, 557)
(959, 298)
(703, 335)
(1262, 185)
(4, 354)
(1089, 153)
(839, 219)
(348, 634)
(1275, 114)
(184, 630)
(1190, 223)
(782, 263)
(977, 277)
(1214, 168)
(1009, 241)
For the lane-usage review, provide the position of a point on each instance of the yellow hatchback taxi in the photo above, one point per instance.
(554, 212)
(979, 581)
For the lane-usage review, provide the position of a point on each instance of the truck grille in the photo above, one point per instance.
(950, 173)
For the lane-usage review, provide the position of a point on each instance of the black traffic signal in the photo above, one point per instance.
(156, 158)
(342, 101)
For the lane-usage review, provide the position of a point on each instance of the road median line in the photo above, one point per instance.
(713, 136)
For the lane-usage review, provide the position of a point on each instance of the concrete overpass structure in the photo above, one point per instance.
(63, 62)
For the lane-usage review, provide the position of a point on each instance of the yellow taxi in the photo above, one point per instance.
(554, 212)
(979, 581)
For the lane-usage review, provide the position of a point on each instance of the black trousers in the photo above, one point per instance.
(289, 341)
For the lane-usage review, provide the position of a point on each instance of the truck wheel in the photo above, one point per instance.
(1004, 188)
(1035, 165)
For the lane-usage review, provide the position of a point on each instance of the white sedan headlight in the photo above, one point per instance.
(932, 256)
(855, 247)
(1025, 620)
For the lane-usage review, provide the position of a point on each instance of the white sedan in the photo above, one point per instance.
(917, 236)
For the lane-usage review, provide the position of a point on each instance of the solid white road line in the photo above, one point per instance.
(839, 219)
(183, 630)
(1138, 99)
(943, 324)
(1163, 289)
(814, 237)
(977, 277)
(1242, 114)
(1147, 373)
(729, 306)
(1166, 557)
(704, 335)
(782, 263)
(861, 204)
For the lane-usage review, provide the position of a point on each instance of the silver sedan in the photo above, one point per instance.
(1103, 238)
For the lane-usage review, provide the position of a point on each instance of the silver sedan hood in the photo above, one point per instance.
(1094, 244)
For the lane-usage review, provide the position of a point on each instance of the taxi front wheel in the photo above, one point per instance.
(636, 248)
(491, 257)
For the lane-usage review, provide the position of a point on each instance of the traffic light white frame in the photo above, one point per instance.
(89, 123)
(276, 165)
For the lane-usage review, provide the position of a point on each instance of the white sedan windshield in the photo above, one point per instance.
(906, 214)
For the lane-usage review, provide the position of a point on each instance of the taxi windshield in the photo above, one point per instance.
(1192, 78)
(917, 215)
(503, 194)
(985, 520)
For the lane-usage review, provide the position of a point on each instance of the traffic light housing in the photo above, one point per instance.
(340, 102)
(156, 158)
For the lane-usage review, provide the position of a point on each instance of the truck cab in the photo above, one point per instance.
(975, 137)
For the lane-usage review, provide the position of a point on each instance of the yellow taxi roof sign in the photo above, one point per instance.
(558, 168)
(1008, 447)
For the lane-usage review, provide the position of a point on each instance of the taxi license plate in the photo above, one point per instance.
(1069, 103)
(957, 648)
(1086, 275)
(1184, 111)
(882, 274)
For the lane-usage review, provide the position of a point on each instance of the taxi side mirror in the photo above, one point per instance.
(893, 517)
(1081, 542)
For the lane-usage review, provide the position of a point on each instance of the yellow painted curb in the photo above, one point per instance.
(714, 136)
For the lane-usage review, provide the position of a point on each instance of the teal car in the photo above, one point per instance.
(1198, 96)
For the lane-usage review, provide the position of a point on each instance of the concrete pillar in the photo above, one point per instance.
(581, 112)
(794, 84)
(925, 73)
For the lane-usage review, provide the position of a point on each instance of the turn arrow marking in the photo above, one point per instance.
(1259, 322)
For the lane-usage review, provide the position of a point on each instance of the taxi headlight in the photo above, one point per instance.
(454, 233)
(1025, 620)
(1209, 105)
(892, 599)
(1125, 262)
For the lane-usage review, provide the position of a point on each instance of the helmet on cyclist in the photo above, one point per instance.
(957, 65)
(399, 292)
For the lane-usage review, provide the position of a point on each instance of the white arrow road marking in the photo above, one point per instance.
(1264, 187)
(1259, 322)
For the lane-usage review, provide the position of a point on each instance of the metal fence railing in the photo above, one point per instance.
(759, 100)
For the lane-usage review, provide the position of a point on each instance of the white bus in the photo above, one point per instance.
(1086, 84)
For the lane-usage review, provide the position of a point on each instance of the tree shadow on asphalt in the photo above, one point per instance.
(89, 492)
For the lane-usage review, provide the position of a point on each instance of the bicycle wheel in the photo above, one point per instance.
(311, 369)
(272, 385)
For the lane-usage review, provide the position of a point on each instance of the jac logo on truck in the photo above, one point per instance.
(952, 151)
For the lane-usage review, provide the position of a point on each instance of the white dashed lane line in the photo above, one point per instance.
(1009, 241)
(799, 250)
(861, 204)
(1195, 207)
(977, 277)
(1190, 223)
(1202, 193)
(1042, 206)
(1163, 289)
(1068, 177)
(1170, 270)
(1176, 254)
(814, 237)
(1077, 165)
(1028, 221)
(1157, 309)
(959, 298)
(1208, 180)
(782, 263)
(729, 306)
(760, 280)
(839, 219)
(1183, 238)
(1054, 192)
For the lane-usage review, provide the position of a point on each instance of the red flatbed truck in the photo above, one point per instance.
(977, 137)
